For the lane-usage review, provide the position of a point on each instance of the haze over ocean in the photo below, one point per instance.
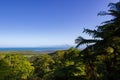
(34, 23)
(35, 49)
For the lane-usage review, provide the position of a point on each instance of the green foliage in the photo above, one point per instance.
(102, 57)
(4, 69)
(43, 65)
(16, 66)
(100, 60)
(62, 65)
(67, 66)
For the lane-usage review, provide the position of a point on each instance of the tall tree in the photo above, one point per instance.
(106, 41)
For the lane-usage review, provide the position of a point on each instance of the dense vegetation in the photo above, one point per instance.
(100, 60)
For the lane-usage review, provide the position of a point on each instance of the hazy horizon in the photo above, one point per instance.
(42, 46)
(32, 23)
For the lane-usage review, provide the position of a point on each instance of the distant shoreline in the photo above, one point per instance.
(34, 50)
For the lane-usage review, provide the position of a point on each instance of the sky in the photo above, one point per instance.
(35, 23)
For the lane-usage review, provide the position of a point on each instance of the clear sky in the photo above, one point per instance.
(33, 23)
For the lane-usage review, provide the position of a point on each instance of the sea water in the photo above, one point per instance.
(34, 48)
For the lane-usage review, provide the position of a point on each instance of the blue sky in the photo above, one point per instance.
(33, 23)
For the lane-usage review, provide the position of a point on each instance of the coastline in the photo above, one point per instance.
(34, 50)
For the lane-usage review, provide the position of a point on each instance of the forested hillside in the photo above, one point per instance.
(100, 60)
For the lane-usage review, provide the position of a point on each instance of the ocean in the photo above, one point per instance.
(37, 49)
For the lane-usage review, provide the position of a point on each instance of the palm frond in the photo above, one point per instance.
(111, 5)
(93, 33)
(81, 41)
(102, 13)
(114, 13)
(114, 6)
